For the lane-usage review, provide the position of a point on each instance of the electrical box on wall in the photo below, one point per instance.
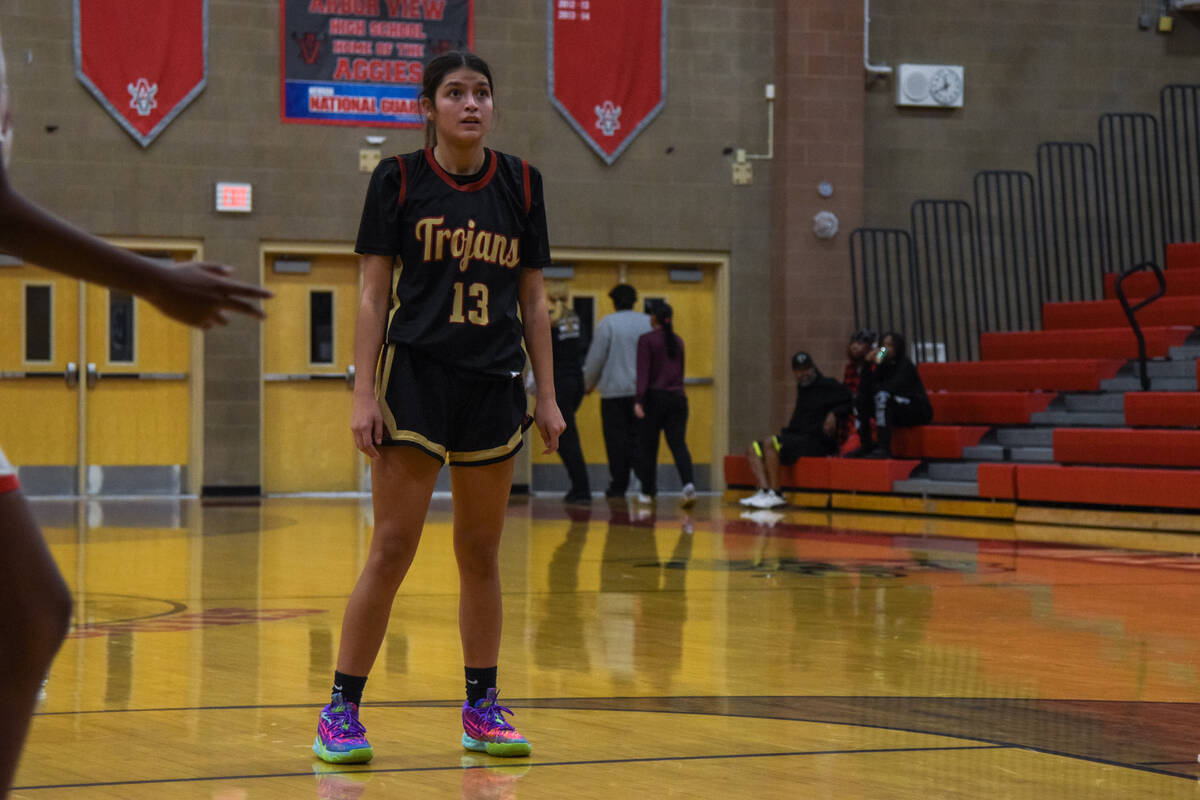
(929, 86)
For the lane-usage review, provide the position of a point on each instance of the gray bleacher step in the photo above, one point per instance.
(963, 471)
(1025, 437)
(1037, 454)
(1185, 351)
(985, 452)
(1167, 369)
(1066, 419)
(938, 488)
(1133, 383)
(1088, 401)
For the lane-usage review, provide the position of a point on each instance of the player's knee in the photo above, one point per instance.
(477, 564)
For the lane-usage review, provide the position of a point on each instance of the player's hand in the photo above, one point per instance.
(202, 295)
(366, 424)
(638, 411)
(550, 424)
(830, 426)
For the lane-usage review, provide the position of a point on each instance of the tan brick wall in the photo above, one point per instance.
(819, 135)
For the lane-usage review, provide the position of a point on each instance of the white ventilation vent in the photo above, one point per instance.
(930, 85)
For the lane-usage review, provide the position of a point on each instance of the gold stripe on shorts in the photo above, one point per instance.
(474, 456)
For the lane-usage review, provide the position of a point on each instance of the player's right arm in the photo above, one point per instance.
(194, 293)
(366, 421)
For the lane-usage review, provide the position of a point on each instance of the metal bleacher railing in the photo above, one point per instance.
(962, 269)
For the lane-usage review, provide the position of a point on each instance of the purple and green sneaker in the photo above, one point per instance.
(486, 731)
(341, 738)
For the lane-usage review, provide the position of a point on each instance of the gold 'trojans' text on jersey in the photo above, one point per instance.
(467, 244)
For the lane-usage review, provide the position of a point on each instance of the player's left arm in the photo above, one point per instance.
(536, 316)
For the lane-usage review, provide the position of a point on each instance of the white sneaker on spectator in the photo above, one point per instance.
(754, 499)
(770, 499)
(689, 496)
(644, 499)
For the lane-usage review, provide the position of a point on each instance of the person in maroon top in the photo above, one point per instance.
(661, 405)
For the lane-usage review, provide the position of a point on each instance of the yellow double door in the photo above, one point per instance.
(308, 357)
(96, 386)
(691, 291)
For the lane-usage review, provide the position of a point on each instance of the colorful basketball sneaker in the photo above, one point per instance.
(486, 731)
(341, 738)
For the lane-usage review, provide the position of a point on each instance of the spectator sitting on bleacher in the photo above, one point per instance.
(861, 343)
(892, 394)
(821, 403)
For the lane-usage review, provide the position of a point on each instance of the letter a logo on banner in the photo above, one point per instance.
(144, 60)
(608, 68)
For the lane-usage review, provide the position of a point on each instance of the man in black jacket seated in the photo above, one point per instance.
(821, 403)
(892, 394)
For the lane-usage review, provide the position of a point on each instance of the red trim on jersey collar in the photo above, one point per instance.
(466, 187)
(9, 483)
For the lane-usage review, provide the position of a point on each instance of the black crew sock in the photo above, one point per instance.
(479, 680)
(350, 687)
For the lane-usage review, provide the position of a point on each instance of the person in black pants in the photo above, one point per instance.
(661, 405)
(565, 336)
(892, 394)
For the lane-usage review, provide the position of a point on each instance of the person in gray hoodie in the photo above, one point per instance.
(611, 367)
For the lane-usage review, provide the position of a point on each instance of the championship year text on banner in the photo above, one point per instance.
(360, 62)
(607, 70)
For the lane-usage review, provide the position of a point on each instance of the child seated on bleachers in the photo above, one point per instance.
(892, 394)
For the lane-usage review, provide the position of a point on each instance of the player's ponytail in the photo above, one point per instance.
(436, 71)
(662, 314)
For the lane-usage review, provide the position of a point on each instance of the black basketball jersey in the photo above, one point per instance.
(458, 247)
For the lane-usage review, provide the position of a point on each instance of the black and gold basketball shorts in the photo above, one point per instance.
(461, 418)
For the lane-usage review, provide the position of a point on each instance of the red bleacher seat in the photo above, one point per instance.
(993, 408)
(1108, 314)
(841, 474)
(936, 441)
(1163, 409)
(1081, 343)
(1183, 255)
(1074, 374)
(997, 481)
(868, 474)
(1179, 282)
(1109, 486)
(1161, 448)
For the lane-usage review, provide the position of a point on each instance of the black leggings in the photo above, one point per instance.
(666, 412)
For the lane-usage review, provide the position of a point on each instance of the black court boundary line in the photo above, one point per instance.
(567, 704)
(531, 765)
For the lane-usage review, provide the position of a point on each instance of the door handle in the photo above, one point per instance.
(350, 377)
(71, 375)
(93, 376)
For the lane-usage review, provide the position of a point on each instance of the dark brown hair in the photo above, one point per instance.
(437, 70)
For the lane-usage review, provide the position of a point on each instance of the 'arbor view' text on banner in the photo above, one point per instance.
(608, 68)
(144, 60)
(360, 62)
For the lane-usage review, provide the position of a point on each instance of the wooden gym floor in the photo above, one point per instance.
(647, 654)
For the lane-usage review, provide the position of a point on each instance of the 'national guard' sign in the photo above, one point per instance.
(608, 68)
(144, 60)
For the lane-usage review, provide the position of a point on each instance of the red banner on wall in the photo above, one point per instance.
(144, 60)
(608, 68)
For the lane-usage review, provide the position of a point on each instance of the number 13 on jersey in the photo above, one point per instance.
(477, 315)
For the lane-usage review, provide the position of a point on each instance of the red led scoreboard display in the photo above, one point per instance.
(360, 62)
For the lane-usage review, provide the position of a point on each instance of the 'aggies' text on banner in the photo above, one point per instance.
(143, 60)
(608, 68)
(360, 62)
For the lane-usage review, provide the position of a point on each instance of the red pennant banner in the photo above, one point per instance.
(144, 60)
(608, 68)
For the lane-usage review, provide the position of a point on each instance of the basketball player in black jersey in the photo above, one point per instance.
(453, 239)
